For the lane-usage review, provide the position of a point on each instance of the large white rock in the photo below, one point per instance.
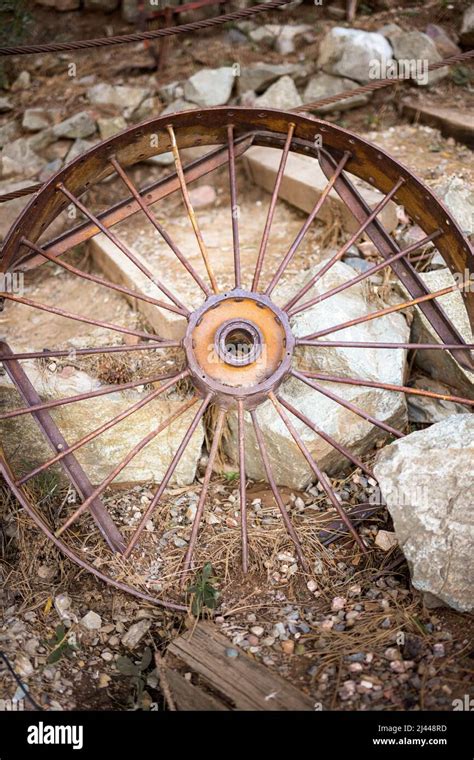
(417, 46)
(426, 481)
(258, 76)
(350, 53)
(324, 86)
(289, 466)
(441, 364)
(210, 87)
(103, 453)
(282, 94)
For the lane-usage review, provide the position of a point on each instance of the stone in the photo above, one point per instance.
(390, 30)
(258, 76)
(303, 183)
(282, 37)
(49, 169)
(443, 42)
(135, 633)
(338, 603)
(147, 109)
(8, 132)
(11, 209)
(324, 86)
(202, 196)
(426, 482)
(282, 95)
(103, 453)
(18, 159)
(210, 87)
(22, 82)
(101, 5)
(81, 125)
(79, 147)
(171, 91)
(6, 105)
(110, 126)
(452, 122)
(458, 196)
(35, 119)
(289, 466)
(91, 621)
(466, 35)
(62, 605)
(351, 52)
(23, 666)
(418, 47)
(385, 540)
(425, 410)
(124, 97)
(441, 364)
(178, 105)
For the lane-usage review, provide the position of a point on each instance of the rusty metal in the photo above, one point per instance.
(238, 344)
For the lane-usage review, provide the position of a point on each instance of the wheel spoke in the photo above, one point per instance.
(69, 464)
(243, 487)
(80, 318)
(322, 478)
(82, 396)
(387, 387)
(169, 472)
(152, 193)
(352, 407)
(234, 206)
(124, 462)
(106, 426)
(158, 227)
(326, 437)
(73, 352)
(404, 270)
(99, 280)
(276, 493)
(204, 491)
(190, 209)
(125, 250)
(316, 208)
(272, 207)
(337, 256)
(363, 275)
(389, 310)
(390, 346)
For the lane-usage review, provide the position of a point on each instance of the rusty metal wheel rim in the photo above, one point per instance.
(236, 383)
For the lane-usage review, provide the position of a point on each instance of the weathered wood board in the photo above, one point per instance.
(234, 683)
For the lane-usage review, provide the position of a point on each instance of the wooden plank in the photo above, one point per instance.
(304, 181)
(450, 121)
(248, 684)
(189, 697)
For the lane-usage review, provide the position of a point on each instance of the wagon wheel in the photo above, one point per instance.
(238, 345)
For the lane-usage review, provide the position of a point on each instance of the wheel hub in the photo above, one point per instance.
(239, 344)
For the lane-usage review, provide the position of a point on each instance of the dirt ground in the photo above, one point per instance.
(392, 652)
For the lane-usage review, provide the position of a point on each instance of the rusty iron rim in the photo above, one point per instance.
(238, 344)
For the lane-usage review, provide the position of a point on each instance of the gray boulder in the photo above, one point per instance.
(351, 52)
(282, 94)
(210, 87)
(324, 86)
(426, 482)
